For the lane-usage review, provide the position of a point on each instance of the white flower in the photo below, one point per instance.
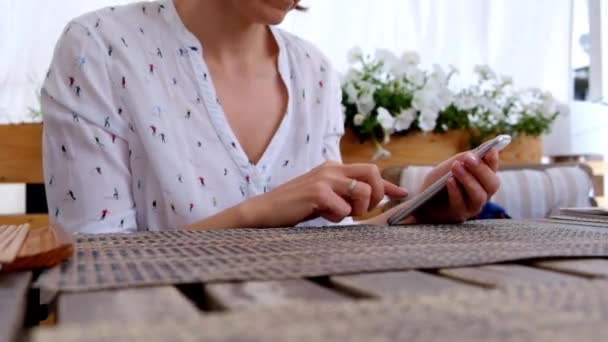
(548, 106)
(465, 102)
(444, 98)
(366, 103)
(496, 113)
(351, 76)
(388, 59)
(506, 80)
(427, 120)
(385, 119)
(359, 119)
(410, 58)
(439, 75)
(426, 99)
(474, 117)
(354, 55)
(415, 76)
(484, 72)
(452, 70)
(351, 92)
(367, 87)
(404, 119)
(513, 116)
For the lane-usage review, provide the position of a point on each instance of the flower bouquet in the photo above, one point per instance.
(385, 95)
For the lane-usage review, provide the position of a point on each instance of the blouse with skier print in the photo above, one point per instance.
(135, 137)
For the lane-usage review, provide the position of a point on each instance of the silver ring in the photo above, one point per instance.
(351, 187)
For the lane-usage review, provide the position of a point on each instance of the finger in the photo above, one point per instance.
(357, 194)
(457, 201)
(483, 173)
(394, 191)
(359, 197)
(475, 194)
(492, 159)
(369, 174)
(333, 207)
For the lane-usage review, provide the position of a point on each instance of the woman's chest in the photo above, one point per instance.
(254, 107)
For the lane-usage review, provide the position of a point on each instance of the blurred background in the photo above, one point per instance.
(560, 46)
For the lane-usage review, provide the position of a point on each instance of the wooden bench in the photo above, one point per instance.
(21, 162)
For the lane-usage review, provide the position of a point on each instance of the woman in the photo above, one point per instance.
(199, 114)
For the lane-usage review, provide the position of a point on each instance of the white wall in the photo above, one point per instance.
(12, 199)
(582, 131)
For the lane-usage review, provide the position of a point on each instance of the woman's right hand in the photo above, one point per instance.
(326, 191)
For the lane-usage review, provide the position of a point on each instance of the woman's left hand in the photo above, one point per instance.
(474, 183)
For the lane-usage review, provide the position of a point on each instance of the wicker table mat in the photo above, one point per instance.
(549, 312)
(114, 261)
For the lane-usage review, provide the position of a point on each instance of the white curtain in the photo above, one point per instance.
(28, 32)
(528, 40)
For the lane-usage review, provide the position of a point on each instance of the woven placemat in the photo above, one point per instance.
(171, 257)
(573, 311)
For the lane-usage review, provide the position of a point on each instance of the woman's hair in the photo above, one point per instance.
(300, 7)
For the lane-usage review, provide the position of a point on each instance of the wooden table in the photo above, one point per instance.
(150, 305)
(186, 309)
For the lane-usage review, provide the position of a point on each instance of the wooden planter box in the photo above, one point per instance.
(432, 148)
(523, 150)
(413, 149)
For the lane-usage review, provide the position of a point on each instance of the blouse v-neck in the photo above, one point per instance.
(215, 110)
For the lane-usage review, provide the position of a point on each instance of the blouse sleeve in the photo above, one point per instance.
(334, 127)
(86, 153)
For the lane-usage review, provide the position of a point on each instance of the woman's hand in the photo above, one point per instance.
(333, 191)
(474, 183)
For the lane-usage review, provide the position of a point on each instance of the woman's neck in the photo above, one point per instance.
(228, 37)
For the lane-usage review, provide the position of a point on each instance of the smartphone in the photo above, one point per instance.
(498, 143)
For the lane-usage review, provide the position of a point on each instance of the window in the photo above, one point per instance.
(590, 48)
(581, 41)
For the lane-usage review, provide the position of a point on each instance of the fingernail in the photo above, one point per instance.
(458, 168)
(472, 160)
(403, 193)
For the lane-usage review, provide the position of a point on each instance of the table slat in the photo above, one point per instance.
(386, 284)
(231, 296)
(148, 304)
(13, 302)
(593, 268)
(505, 275)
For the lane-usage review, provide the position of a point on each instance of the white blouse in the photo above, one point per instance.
(135, 137)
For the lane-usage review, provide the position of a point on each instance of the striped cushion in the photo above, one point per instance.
(412, 177)
(525, 193)
(571, 186)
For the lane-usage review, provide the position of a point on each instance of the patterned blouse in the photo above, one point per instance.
(135, 137)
